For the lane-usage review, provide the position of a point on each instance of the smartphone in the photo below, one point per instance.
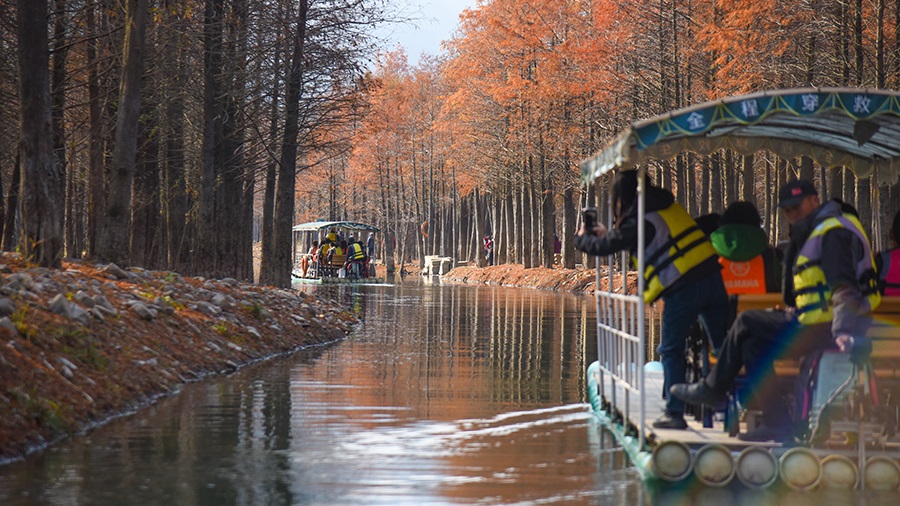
(589, 217)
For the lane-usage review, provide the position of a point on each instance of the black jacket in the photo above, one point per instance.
(624, 237)
(844, 252)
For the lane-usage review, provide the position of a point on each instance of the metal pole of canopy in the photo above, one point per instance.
(640, 304)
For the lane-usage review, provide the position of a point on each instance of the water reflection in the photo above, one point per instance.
(443, 395)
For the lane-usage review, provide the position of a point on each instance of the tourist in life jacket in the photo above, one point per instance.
(887, 263)
(310, 256)
(749, 264)
(324, 251)
(681, 269)
(356, 258)
(830, 291)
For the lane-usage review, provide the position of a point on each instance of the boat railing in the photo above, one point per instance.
(627, 334)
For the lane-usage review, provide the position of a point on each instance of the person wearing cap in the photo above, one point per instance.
(749, 264)
(829, 299)
(680, 268)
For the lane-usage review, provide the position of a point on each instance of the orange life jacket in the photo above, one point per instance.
(744, 277)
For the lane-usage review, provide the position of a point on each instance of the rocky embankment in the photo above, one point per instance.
(566, 280)
(88, 342)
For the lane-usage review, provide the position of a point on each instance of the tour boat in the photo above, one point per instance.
(855, 409)
(306, 270)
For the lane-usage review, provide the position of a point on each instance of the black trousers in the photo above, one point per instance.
(756, 339)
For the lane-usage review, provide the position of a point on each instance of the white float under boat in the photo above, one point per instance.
(857, 444)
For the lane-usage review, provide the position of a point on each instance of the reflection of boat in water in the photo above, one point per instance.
(307, 268)
(851, 438)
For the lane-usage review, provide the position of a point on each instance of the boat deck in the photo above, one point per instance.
(695, 436)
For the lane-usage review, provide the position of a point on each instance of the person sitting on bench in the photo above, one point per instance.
(887, 263)
(749, 264)
(829, 299)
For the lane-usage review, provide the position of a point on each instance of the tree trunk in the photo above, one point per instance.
(175, 192)
(781, 176)
(116, 232)
(277, 269)
(271, 167)
(569, 220)
(10, 222)
(807, 169)
(748, 188)
(849, 187)
(96, 201)
(43, 183)
(206, 256)
(231, 259)
(145, 210)
(58, 100)
(681, 195)
(730, 177)
(548, 212)
(477, 226)
(835, 183)
(705, 188)
(716, 180)
(511, 255)
(864, 201)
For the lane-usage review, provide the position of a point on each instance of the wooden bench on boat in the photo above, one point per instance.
(885, 334)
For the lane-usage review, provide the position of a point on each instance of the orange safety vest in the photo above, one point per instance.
(744, 277)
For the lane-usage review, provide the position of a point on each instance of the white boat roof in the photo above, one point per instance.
(320, 225)
(857, 128)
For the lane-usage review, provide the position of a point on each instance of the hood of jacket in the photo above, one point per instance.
(656, 199)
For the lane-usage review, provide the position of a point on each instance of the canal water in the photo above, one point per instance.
(442, 395)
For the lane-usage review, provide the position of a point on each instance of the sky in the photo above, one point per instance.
(437, 20)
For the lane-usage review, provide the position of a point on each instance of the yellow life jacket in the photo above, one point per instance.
(677, 247)
(811, 290)
(323, 251)
(355, 252)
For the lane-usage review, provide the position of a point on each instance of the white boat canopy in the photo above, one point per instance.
(857, 128)
(313, 226)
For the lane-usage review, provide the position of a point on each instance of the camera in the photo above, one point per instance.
(589, 217)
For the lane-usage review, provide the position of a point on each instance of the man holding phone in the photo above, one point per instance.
(681, 268)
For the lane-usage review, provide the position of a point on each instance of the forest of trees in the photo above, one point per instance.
(172, 134)
(487, 138)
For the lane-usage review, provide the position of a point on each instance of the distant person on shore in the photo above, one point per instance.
(557, 250)
(749, 264)
(887, 263)
(489, 248)
(681, 269)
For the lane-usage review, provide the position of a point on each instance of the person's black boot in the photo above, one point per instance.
(670, 421)
(697, 393)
